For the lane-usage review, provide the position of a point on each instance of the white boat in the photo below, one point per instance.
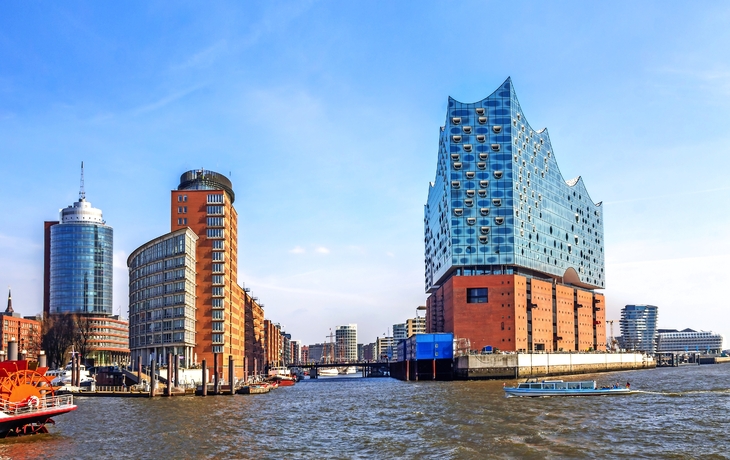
(561, 388)
(63, 376)
(327, 371)
(347, 370)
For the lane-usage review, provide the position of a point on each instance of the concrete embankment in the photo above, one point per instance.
(525, 365)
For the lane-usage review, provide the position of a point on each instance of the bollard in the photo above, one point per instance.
(205, 380)
(434, 370)
(231, 373)
(12, 350)
(42, 359)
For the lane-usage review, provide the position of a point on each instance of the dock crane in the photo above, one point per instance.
(612, 342)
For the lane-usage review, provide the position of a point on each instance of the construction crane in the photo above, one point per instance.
(612, 342)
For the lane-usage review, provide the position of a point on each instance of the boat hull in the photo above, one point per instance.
(524, 392)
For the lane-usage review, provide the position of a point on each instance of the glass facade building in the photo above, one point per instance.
(81, 262)
(689, 341)
(346, 337)
(639, 328)
(499, 204)
(162, 298)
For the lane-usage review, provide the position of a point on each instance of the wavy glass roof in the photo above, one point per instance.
(499, 203)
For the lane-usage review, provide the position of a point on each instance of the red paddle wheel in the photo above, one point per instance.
(26, 398)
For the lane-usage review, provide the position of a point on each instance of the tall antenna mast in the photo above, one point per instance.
(82, 193)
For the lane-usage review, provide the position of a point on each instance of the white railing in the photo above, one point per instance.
(35, 404)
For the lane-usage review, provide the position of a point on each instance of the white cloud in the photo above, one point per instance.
(166, 100)
(323, 250)
(205, 57)
(297, 250)
(390, 254)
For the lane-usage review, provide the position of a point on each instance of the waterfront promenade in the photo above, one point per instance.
(682, 414)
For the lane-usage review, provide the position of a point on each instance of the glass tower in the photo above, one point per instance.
(346, 337)
(499, 204)
(81, 253)
(639, 328)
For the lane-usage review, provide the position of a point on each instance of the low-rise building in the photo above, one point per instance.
(688, 340)
(24, 330)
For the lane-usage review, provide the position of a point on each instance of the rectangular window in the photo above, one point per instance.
(215, 221)
(217, 314)
(218, 349)
(218, 291)
(476, 295)
(218, 244)
(218, 256)
(217, 279)
(215, 198)
(215, 210)
(218, 327)
(217, 268)
(217, 338)
(182, 220)
(214, 233)
(217, 303)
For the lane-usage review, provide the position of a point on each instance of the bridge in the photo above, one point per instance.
(368, 369)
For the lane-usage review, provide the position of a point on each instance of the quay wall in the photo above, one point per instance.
(526, 365)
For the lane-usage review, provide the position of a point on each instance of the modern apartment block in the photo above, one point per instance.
(688, 341)
(639, 328)
(346, 337)
(196, 283)
(415, 325)
(77, 274)
(162, 298)
(513, 252)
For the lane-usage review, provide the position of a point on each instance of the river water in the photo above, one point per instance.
(683, 414)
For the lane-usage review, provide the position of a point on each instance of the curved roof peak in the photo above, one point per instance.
(505, 86)
(573, 182)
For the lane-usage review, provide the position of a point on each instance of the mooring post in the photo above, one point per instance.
(42, 360)
(177, 370)
(152, 378)
(408, 370)
(169, 374)
(204, 367)
(434, 369)
(231, 373)
(215, 373)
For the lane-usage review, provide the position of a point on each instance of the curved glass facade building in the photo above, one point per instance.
(639, 328)
(499, 204)
(162, 300)
(81, 262)
(513, 251)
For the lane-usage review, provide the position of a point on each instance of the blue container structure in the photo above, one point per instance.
(425, 357)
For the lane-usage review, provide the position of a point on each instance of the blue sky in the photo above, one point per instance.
(326, 117)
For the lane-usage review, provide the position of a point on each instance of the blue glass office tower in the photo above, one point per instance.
(79, 253)
(499, 204)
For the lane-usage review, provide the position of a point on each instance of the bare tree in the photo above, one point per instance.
(57, 338)
(84, 329)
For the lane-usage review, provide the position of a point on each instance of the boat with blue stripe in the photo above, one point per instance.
(561, 388)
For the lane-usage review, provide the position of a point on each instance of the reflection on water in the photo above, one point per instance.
(682, 414)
